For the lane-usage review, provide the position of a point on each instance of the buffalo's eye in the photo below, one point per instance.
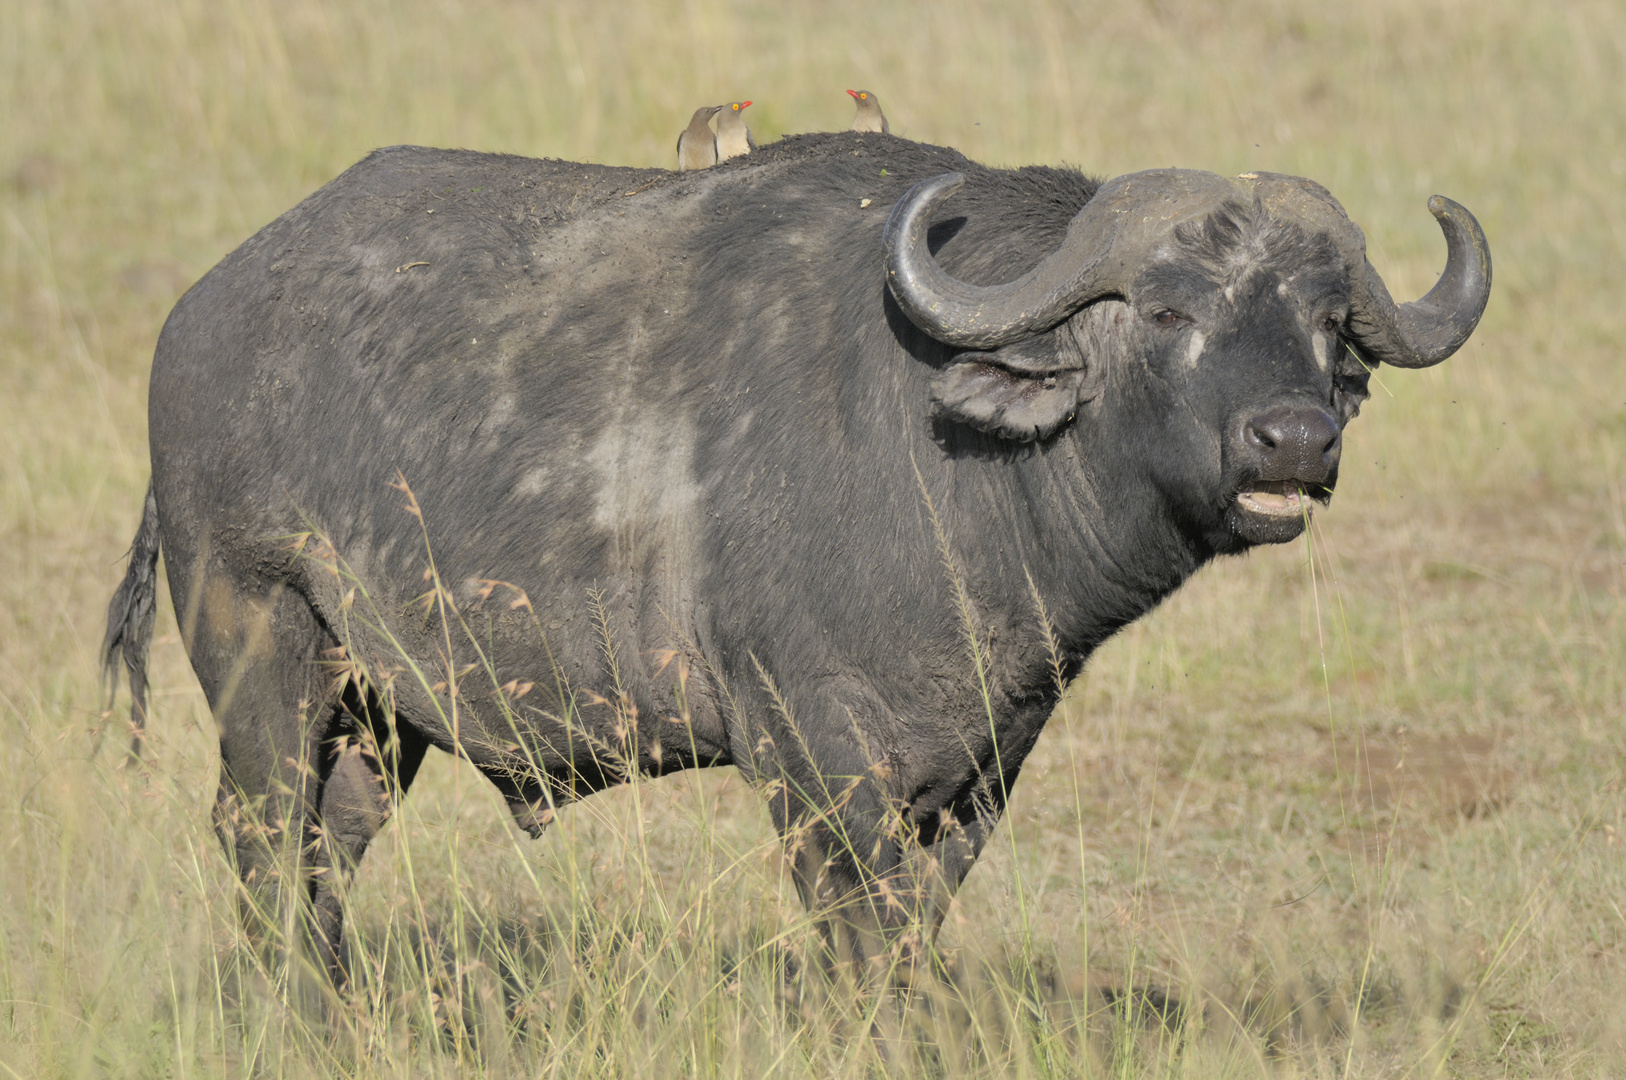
(1331, 323)
(1165, 317)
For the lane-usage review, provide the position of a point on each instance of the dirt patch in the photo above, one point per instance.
(1430, 778)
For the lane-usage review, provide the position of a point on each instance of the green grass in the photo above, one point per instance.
(1356, 802)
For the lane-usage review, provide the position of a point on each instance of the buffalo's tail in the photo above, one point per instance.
(129, 622)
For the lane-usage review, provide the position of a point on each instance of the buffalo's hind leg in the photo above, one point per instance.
(299, 798)
(369, 763)
(256, 649)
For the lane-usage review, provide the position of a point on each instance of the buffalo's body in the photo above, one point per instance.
(685, 425)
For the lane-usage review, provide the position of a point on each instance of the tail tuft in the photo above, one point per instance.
(129, 622)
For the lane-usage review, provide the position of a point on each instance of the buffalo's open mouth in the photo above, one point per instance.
(1273, 511)
(1279, 498)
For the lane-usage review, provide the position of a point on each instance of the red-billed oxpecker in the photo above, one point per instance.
(733, 137)
(869, 116)
(697, 145)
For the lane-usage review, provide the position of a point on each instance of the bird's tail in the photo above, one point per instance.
(129, 622)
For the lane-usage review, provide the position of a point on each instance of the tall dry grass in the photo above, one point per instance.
(1354, 803)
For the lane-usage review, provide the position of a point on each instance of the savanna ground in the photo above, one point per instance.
(1355, 803)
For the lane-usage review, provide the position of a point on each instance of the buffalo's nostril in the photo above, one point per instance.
(1295, 443)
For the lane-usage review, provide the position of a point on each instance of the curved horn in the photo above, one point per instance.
(1107, 242)
(972, 316)
(1424, 332)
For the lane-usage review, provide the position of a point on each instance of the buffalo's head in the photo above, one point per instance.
(1242, 316)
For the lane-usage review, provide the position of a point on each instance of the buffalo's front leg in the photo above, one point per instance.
(878, 875)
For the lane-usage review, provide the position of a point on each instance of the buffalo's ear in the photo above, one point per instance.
(1349, 379)
(1011, 404)
(1023, 391)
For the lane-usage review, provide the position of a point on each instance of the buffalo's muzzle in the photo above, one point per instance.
(1294, 444)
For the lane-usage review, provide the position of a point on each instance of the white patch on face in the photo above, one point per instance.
(1194, 349)
(1321, 350)
(1242, 264)
(1281, 288)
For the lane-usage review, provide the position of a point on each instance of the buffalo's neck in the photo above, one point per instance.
(1082, 529)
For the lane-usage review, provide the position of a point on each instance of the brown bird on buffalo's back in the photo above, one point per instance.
(697, 146)
(733, 137)
(869, 116)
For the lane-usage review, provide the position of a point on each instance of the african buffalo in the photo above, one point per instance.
(831, 463)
